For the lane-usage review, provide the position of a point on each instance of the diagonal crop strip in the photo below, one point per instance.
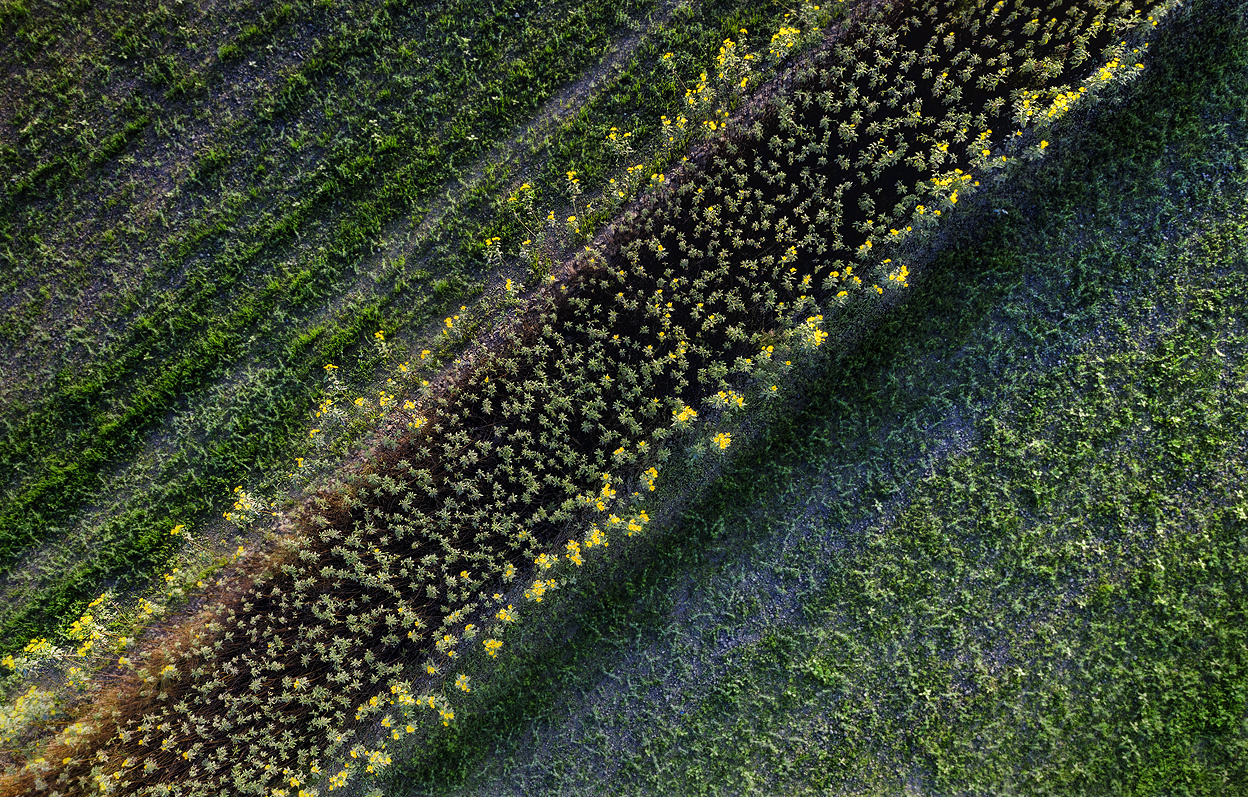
(693, 302)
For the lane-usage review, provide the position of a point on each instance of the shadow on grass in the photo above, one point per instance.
(642, 674)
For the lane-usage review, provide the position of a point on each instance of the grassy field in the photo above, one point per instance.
(198, 217)
(991, 542)
(999, 549)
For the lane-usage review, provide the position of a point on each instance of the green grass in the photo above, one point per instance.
(999, 546)
(180, 264)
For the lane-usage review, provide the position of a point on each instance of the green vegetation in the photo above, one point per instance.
(999, 549)
(970, 523)
(195, 220)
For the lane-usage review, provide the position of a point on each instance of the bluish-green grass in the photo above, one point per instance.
(997, 546)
